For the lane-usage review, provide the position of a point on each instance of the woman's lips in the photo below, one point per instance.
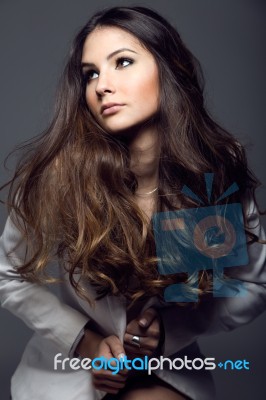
(111, 109)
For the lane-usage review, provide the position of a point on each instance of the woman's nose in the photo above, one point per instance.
(104, 85)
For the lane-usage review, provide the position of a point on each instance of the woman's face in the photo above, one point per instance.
(122, 79)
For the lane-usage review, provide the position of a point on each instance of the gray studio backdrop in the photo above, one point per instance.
(228, 37)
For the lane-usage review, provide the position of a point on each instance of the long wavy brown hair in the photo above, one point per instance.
(71, 195)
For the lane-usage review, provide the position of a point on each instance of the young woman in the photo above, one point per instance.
(129, 131)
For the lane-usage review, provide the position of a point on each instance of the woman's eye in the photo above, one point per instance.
(90, 75)
(123, 62)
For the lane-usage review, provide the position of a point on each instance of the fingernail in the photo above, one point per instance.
(121, 356)
(143, 322)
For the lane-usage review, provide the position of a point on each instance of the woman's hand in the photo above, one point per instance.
(149, 330)
(93, 346)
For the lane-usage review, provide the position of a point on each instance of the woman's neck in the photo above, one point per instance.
(144, 152)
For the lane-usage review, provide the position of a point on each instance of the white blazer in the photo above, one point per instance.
(57, 321)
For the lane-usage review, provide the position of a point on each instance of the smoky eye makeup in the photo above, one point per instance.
(88, 74)
(120, 61)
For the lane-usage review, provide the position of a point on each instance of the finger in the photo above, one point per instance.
(136, 329)
(115, 368)
(145, 342)
(109, 382)
(106, 388)
(151, 345)
(116, 347)
(143, 351)
(133, 324)
(109, 375)
(142, 354)
(152, 330)
(147, 317)
(123, 372)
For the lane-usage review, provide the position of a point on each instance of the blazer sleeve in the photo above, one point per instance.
(183, 326)
(38, 307)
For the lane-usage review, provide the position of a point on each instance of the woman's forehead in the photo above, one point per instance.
(110, 38)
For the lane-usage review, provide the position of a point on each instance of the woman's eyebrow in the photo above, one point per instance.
(119, 51)
(89, 65)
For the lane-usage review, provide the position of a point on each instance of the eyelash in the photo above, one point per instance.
(120, 60)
